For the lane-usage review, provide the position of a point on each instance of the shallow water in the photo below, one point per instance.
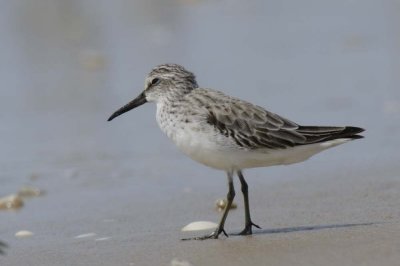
(66, 66)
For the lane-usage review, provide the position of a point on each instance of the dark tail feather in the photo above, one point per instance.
(316, 134)
(352, 132)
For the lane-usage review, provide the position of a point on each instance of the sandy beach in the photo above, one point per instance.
(345, 218)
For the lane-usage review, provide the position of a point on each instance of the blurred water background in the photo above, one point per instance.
(65, 66)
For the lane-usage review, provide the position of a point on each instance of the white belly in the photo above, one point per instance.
(207, 149)
(202, 148)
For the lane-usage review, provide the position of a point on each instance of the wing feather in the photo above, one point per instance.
(252, 127)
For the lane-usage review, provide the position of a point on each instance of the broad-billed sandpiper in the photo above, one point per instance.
(227, 133)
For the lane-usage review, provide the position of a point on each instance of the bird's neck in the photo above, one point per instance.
(166, 116)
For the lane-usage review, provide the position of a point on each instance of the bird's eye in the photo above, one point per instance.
(155, 81)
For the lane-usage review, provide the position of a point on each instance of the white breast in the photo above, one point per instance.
(197, 140)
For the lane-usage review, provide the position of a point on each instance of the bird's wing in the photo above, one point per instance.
(253, 127)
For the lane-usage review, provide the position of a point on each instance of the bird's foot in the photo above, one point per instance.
(248, 229)
(213, 235)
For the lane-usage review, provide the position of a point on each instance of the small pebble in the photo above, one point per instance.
(27, 192)
(198, 226)
(11, 202)
(92, 60)
(178, 262)
(23, 233)
(33, 177)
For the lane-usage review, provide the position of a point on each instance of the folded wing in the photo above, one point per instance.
(252, 127)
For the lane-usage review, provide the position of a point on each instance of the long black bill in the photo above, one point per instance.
(141, 99)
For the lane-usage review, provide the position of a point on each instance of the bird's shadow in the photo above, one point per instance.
(307, 228)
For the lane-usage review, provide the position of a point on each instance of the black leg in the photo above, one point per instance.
(220, 228)
(248, 223)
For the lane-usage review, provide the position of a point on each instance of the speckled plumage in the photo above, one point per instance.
(227, 133)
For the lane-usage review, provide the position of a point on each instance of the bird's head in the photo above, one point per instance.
(164, 82)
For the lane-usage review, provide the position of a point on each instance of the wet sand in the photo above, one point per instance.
(347, 217)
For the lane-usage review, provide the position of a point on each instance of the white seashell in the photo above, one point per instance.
(23, 233)
(200, 225)
(86, 235)
(102, 238)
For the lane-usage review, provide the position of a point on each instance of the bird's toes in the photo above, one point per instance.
(213, 235)
(248, 229)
